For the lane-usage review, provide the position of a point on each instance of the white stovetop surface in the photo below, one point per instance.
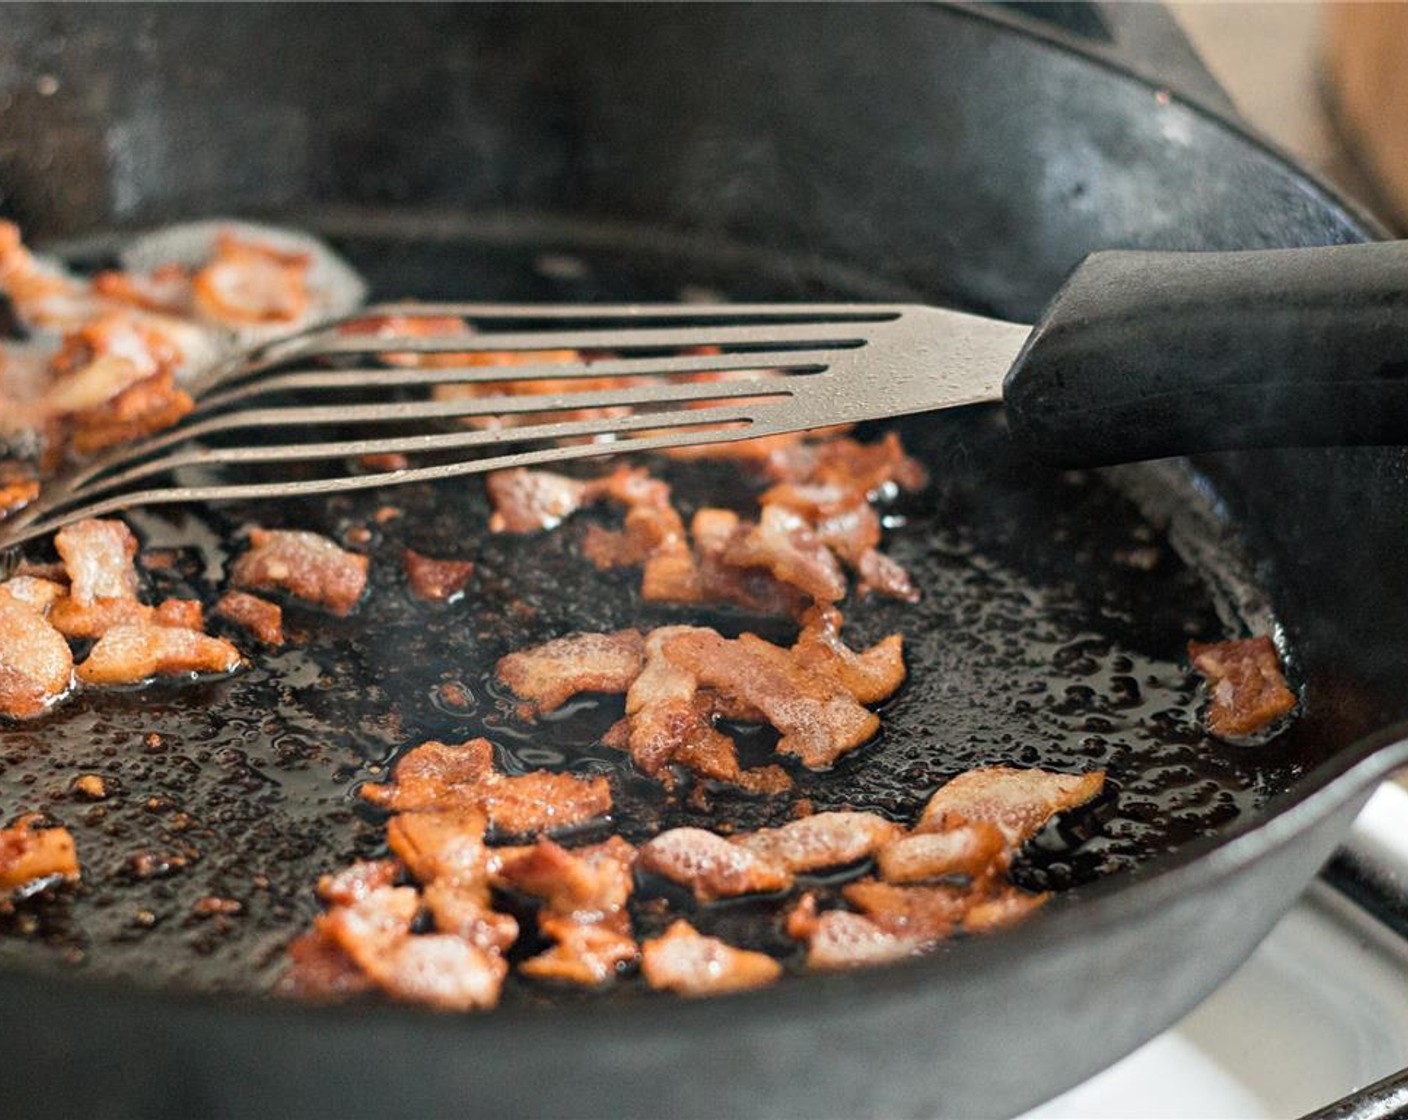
(1320, 1010)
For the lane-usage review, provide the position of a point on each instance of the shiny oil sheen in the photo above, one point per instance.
(1051, 633)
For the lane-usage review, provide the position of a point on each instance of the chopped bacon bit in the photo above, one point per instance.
(869, 676)
(390, 461)
(246, 283)
(354, 883)
(867, 468)
(818, 720)
(879, 574)
(34, 591)
(263, 619)
(14, 496)
(437, 580)
(666, 722)
(36, 667)
(98, 556)
(33, 858)
(1247, 690)
(166, 290)
(1005, 907)
(754, 589)
(785, 545)
(321, 971)
(306, 565)
(588, 953)
(146, 406)
(976, 850)
(91, 786)
(550, 674)
(446, 853)
(74, 620)
(1018, 802)
(820, 841)
(129, 653)
(526, 500)
(711, 866)
(439, 970)
(923, 913)
(435, 777)
(588, 884)
(838, 939)
(686, 962)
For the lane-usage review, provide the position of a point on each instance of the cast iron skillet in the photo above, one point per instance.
(873, 152)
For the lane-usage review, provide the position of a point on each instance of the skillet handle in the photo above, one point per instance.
(1145, 355)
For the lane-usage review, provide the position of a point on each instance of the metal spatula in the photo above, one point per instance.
(1141, 355)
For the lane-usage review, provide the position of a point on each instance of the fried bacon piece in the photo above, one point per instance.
(306, 565)
(870, 676)
(150, 405)
(447, 855)
(838, 939)
(36, 667)
(927, 914)
(1005, 906)
(711, 866)
(667, 722)
(263, 619)
(354, 883)
(17, 493)
(821, 840)
(98, 557)
(1246, 688)
(584, 893)
(438, 970)
(974, 850)
(34, 591)
(34, 858)
(687, 963)
(871, 469)
(128, 654)
(436, 777)
(1016, 802)
(437, 580)
(819, 721)
(319, 970)
(527, 500)
(585, 953)
(165, 290)
(785, 545)
(550, 674)
(249, 283)
(718, 580)
(74, 620)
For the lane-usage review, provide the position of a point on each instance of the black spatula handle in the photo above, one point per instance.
(1145, 355)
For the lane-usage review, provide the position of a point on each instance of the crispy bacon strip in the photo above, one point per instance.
(36, 667)
(17, 493)
(33, 858)
(263, 619)
(98, 556)
(785, 545)
(1016, 802)
(550, 674)
(34, 591)
(588, 953)
(128, 654)
(821, 840)
(1246, 688)
(436, 777)
(690, 964)
(436, 580)
(525, 501)
(710, 866)
(306, 565)
(870, 676)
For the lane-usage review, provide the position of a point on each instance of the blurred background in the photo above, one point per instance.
(1326, 81)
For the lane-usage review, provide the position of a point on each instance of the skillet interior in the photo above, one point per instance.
(935, 148)
(1051, 633)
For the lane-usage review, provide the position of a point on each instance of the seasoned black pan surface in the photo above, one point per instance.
(1051, 633)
